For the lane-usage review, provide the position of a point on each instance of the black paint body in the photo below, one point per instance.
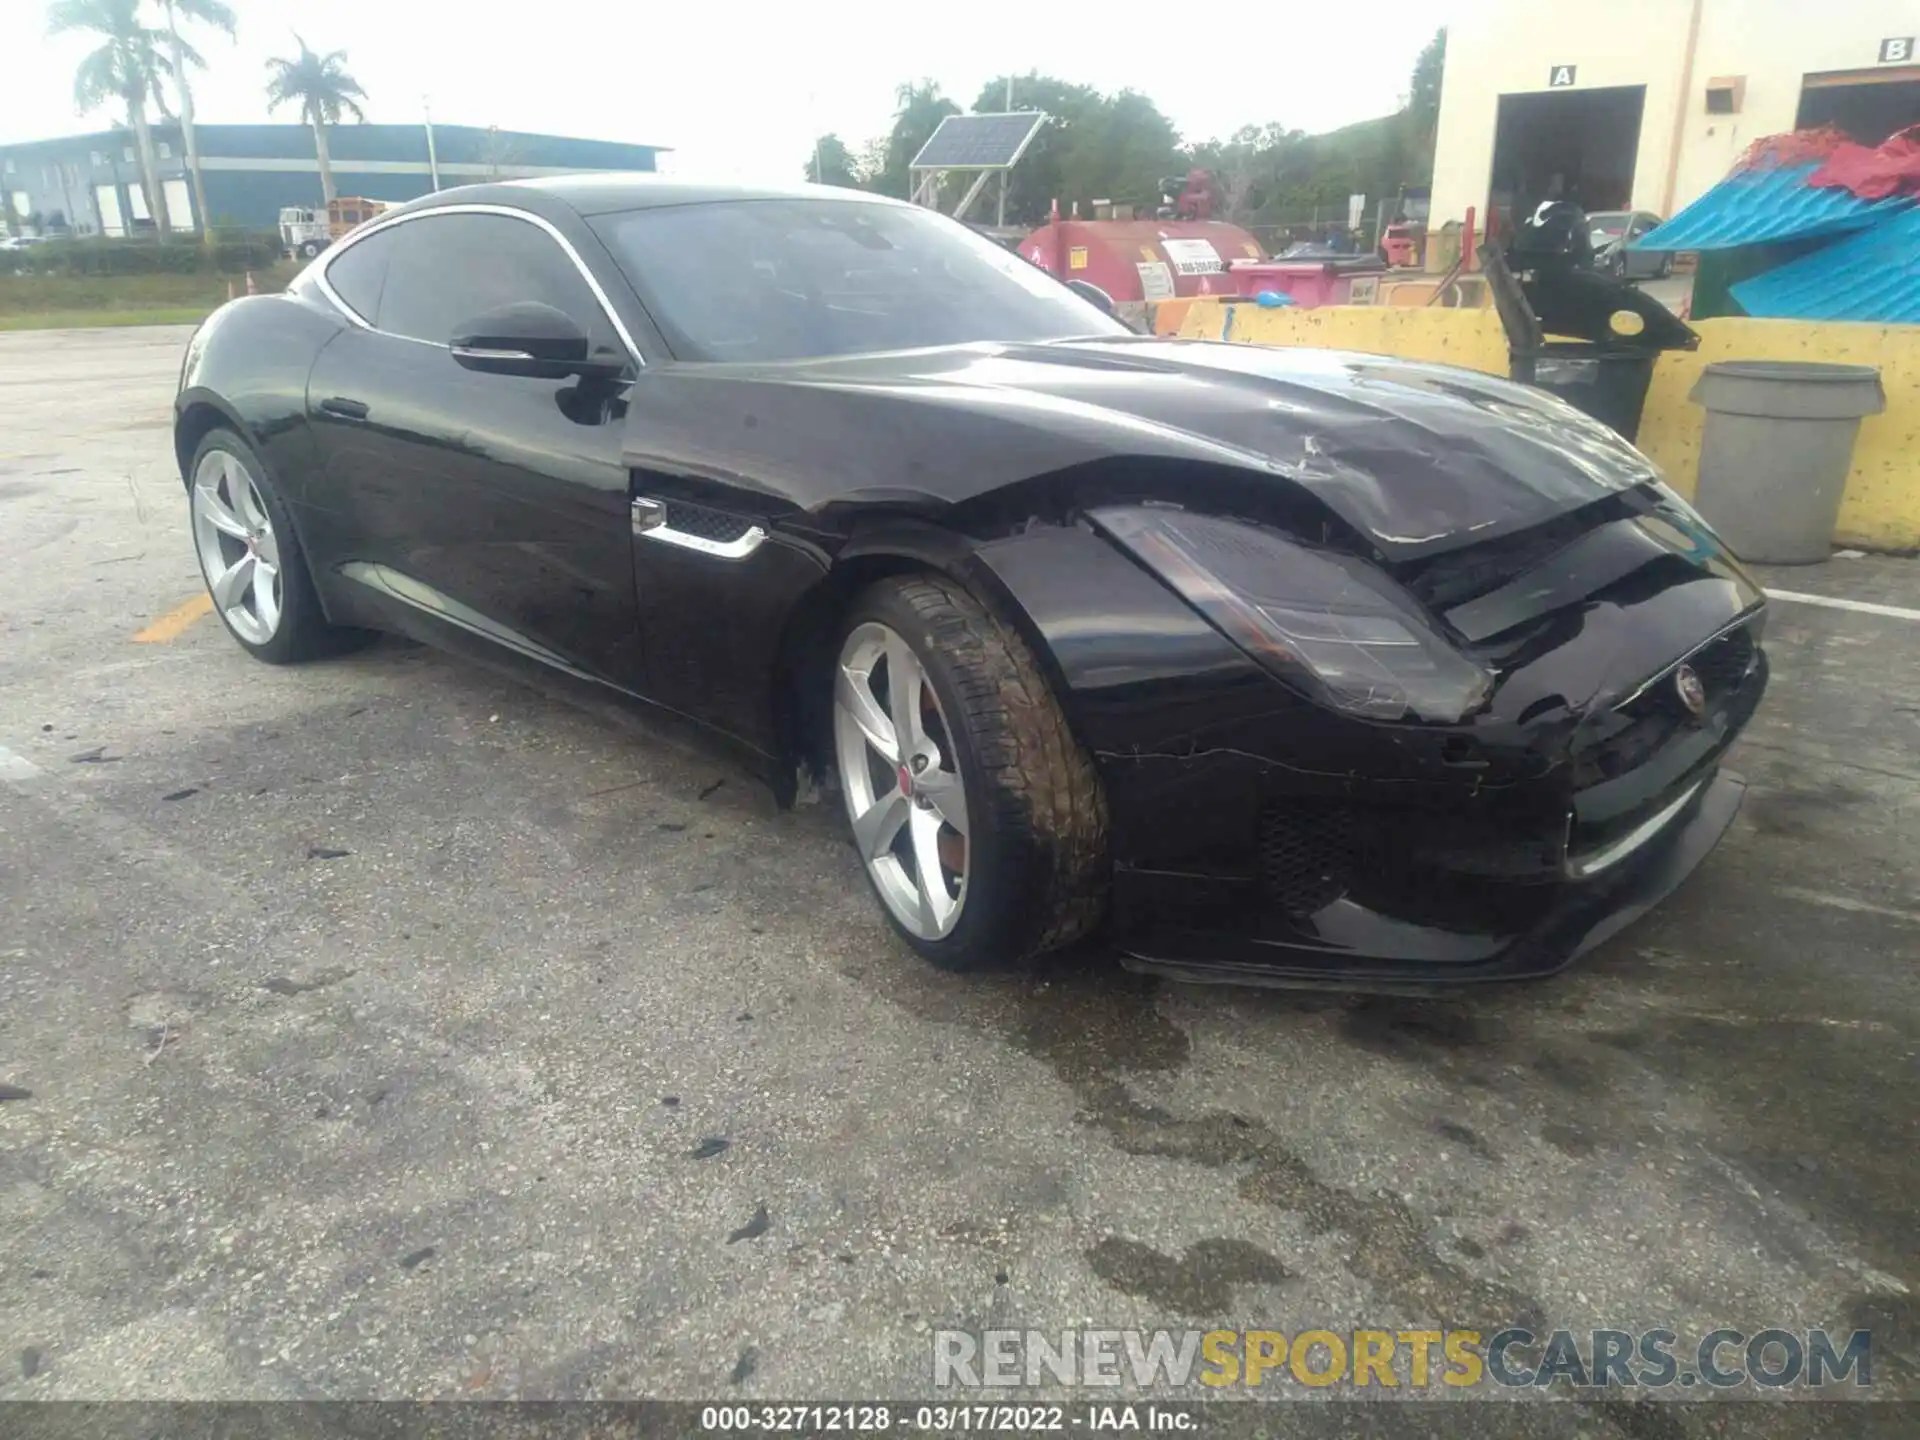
(489, 514)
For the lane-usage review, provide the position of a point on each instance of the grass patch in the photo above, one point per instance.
(89, 319)
(46, 302)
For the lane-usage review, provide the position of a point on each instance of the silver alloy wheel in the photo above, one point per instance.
(239, 553)
(901, 773)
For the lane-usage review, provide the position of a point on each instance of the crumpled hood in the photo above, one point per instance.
(1419, 458)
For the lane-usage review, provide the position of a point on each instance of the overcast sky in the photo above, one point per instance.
(739, 91)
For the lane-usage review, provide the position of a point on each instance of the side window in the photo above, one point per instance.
(448, 269)
(358, 272)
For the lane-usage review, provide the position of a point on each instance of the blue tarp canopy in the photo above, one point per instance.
(1873, 276)
(1757, 207)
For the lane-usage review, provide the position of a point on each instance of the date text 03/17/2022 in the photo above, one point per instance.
(949, 1418)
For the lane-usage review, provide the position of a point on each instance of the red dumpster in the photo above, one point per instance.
(1143, 260)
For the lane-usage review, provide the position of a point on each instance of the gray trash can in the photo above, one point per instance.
(1777, 451)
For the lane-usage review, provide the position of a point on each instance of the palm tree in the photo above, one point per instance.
(128, 67)
(324, 91)
(220, 16)
(920, 109)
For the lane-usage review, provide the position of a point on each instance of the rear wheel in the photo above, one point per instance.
(978, 817)
(251, 559)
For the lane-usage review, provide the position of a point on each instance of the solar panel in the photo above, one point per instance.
(978, 142)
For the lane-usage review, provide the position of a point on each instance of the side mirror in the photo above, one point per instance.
(533, 340)
(1093, 295)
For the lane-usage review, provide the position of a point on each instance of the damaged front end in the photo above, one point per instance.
(1469, 766)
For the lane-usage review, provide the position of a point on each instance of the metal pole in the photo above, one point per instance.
(819, 165)
(433, 156)
(1680, 114)
(1001, 219)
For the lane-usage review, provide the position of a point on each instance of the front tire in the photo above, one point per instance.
(309, 249)
(984, 834)
(251, 560)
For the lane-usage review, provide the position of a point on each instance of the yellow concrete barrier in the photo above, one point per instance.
(1881, 509)
(1469, 338)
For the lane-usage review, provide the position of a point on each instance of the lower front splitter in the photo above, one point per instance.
(1586, 915)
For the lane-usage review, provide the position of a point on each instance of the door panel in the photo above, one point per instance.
(498, 501)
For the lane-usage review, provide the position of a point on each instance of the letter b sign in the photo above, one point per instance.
(1897, 50)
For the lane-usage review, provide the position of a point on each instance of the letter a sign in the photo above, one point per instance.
(1561, 77)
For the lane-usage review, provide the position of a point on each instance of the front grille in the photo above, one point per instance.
(1633, 740)
(1655, 720)
(1313, 852)
(1724, 665)
(1626, 739)
(708, 524)
(1464, 904)
(1306, 854)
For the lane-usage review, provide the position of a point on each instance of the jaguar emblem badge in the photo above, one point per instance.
(1690, 690)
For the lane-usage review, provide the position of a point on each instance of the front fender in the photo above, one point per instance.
(1136, 666)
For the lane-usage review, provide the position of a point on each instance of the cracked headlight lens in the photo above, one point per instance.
(1328, 624)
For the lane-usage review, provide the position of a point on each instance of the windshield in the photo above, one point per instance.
(1611, 226)
(798, 279)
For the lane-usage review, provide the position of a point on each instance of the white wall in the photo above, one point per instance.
(1775, 44)
(1501, 47)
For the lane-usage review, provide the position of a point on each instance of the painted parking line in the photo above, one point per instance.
(1847, 902)
(177, 621)
(1861, 607)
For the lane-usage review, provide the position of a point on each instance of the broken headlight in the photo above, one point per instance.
(1326, 623)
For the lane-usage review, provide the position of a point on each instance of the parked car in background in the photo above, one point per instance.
(1612, 231)
(14, 250)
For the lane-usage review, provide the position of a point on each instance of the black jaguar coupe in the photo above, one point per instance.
(1289, 667)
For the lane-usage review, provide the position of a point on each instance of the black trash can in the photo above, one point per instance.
(1609, 385)
(1588, 338)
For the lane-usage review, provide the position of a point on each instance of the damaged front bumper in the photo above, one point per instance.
(1347, 945)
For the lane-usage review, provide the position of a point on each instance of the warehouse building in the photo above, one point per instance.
(1646, 104)
(91, 184)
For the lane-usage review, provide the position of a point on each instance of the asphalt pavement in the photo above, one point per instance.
(393, 1030)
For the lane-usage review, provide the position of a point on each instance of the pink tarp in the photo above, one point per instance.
(1871, 172)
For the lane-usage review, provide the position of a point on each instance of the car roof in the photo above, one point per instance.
(603, 194)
